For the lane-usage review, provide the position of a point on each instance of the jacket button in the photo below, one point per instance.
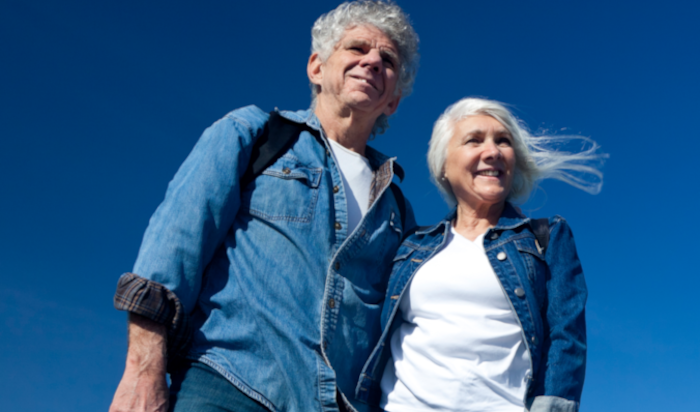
(501, 256)
(331, 303)
(519, 292)
(534, 339)
(336, 189)
(494, 236)
(286, 171)
(337, 265)
(338, 226)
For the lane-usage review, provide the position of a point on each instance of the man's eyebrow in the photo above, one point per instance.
(390, 54)
(356, 42)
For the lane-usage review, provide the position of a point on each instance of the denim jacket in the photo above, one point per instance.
(282, 299)
(547, 292)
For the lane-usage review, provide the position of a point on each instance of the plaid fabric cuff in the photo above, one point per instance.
(156, 302)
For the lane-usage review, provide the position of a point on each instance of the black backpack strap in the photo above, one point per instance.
(277, 137)
(541, 229)
(401, 202)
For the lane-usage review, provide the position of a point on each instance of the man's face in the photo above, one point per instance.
(361, 73)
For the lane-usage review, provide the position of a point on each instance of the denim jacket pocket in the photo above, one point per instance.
(286, 191)
(536, 267)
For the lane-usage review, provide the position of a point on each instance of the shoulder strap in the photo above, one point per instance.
(541, 229)
(275, 140)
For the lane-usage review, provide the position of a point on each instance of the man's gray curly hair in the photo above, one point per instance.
(384, 15)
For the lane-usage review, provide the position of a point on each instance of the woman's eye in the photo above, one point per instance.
(504, 141)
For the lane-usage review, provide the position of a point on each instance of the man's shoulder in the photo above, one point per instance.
(254, 117)
(250, 116)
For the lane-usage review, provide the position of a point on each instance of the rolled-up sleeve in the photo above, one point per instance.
(155, 302)
(190, 224)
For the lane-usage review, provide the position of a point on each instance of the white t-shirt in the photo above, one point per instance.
(357, 180)
(460, 346)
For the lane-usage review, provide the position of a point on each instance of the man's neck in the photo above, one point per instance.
(351, 130)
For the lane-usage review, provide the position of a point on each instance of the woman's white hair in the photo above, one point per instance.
(536, 157)
(384, 15)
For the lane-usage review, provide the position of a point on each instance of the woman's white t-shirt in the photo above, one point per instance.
(460, 346)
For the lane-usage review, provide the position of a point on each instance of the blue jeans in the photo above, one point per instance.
(199, 388)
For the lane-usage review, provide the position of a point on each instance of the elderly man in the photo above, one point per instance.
(261, 289)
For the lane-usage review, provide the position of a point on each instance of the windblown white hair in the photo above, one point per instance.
(384, 15)
(536, 157)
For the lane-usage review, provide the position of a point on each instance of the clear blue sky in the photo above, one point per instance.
(101, 101)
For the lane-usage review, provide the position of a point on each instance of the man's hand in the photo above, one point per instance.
(143, 387)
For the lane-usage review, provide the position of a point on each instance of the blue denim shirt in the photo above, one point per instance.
(283, 300)
(547, 292)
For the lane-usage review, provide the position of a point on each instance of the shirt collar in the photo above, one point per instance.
(376, 158)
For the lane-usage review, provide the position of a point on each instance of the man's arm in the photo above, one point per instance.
(199, 208)
(143, 386)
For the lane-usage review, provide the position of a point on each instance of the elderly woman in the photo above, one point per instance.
(485, 310)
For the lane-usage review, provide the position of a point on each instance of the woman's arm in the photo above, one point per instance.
(564, 352)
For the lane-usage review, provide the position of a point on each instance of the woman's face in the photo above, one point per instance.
(480, 161)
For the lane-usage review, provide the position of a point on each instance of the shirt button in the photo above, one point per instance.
(519, 292)
(331, 303)
(337, 265)
(494, 236)
(534, 339)
(286, 171)
(338, 226)
(501, 256)
(336, 189)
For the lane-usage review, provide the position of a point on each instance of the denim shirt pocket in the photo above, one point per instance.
(286, 191)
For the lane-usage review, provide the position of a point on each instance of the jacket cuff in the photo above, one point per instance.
(553, 404)
(156, 302)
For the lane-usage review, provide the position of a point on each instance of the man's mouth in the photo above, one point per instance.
(367, 81)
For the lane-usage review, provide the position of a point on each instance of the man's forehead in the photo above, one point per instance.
(368, 35)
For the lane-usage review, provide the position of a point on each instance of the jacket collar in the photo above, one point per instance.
(510, 219)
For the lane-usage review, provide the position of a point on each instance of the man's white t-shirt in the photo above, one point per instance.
(460, 346)
(357, 180)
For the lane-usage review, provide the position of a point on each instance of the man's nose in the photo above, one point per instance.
(373, 60)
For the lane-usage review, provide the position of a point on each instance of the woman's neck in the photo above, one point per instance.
(471, 222)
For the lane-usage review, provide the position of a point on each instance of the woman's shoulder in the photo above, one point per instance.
(425, 236)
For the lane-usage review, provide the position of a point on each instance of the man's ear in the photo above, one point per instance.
(314, 69)
(392, 106)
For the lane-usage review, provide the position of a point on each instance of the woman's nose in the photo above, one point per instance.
(491, 150)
